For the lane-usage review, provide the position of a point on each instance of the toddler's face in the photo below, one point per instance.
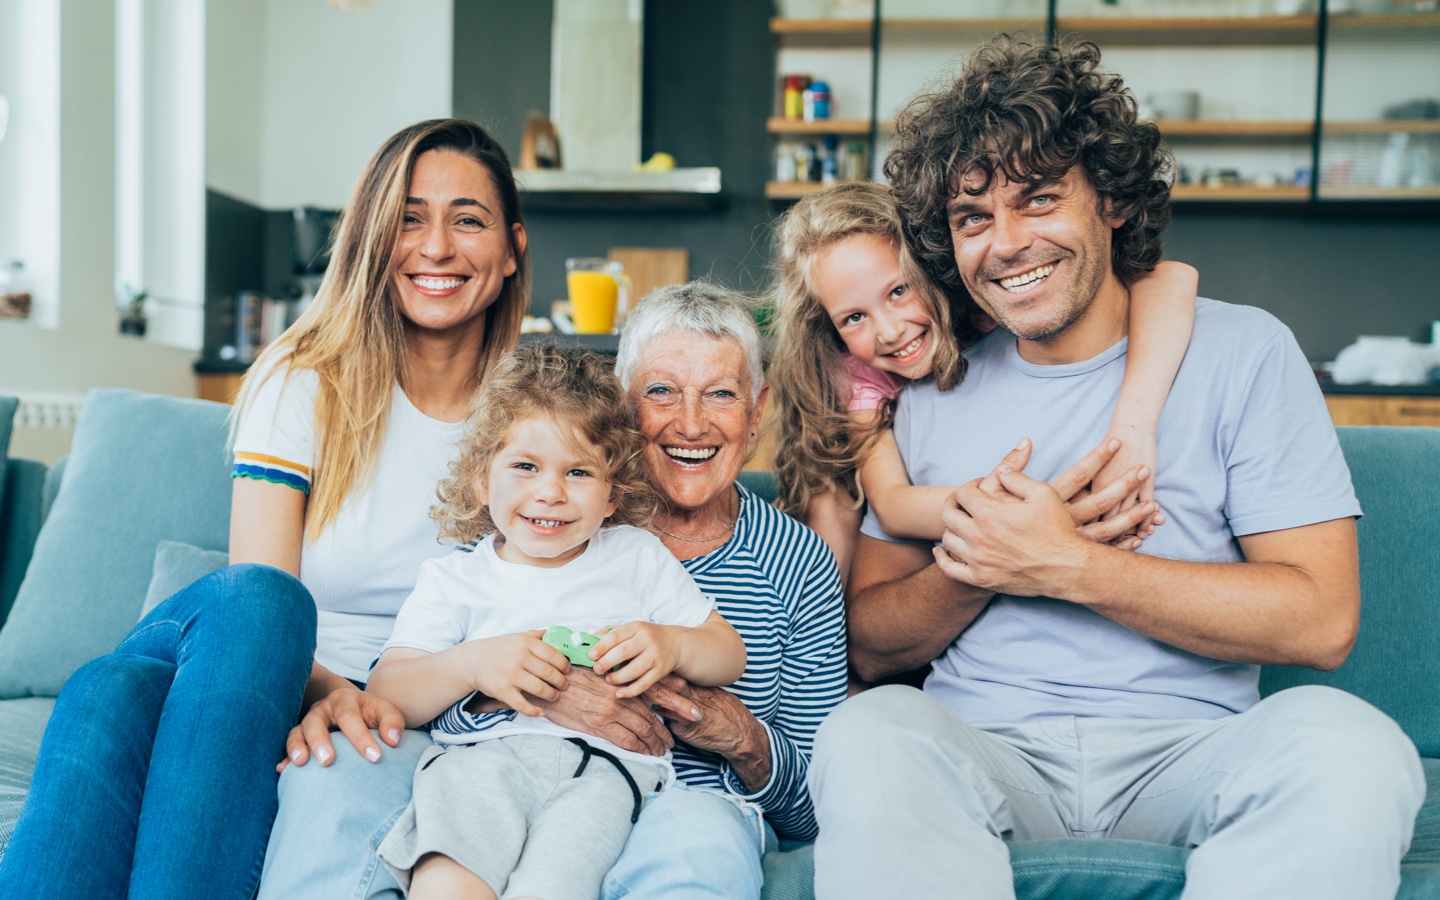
(881, 320)
(548, 493)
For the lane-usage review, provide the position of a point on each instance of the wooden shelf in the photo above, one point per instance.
(792, 190)
(962, 26)
(1173, 30)
(1383, 126)
(1385, 21)
(821, 32)
(1240, 193)
(1374, 192)
(777, 125)
(1235, 128)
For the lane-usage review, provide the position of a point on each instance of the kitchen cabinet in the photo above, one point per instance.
(1293, 109)
(1384, 409)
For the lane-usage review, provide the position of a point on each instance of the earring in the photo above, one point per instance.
(752, 434)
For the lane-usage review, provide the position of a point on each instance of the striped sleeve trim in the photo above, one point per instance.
(457, 721)
(275, 476)
(266, 459)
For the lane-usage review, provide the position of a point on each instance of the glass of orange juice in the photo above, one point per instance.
(594, 294)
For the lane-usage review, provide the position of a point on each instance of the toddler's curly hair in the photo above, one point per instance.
(567, 385)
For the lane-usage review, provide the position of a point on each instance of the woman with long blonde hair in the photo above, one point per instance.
(858, 321)
(158, 771)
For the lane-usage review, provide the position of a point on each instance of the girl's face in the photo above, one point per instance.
(548, 493)
(881, 320)
(454, 251)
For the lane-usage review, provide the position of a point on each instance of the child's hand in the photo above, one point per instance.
(1137, 448)
(509, 667)
(644, 649)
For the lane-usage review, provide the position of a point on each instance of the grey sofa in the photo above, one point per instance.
(78, 557)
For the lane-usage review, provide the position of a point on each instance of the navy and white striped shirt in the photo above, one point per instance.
(777, 583)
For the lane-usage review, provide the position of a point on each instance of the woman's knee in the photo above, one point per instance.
(115, 688)
(691, 842)
(264, 596)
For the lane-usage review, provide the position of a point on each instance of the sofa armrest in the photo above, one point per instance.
(21, 515)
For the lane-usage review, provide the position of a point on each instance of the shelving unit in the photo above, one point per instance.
(1332, 144)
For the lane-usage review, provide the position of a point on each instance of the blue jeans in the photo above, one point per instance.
(688, 843)
(156, 775)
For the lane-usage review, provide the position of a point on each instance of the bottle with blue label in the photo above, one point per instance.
(817, 101)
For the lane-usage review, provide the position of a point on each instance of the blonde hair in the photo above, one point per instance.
(353, 334)
(817, 446)
(566, 385)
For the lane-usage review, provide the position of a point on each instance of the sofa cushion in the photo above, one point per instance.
(22, 724)
(94, 556)
(1396, 661)
(21, 514)
(177, 566)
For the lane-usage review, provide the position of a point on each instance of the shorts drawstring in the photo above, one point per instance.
(587, 751)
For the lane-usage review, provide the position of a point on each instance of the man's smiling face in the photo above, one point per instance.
(1034, 255)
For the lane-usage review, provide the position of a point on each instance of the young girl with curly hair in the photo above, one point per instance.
(858, 321)
(543, 501)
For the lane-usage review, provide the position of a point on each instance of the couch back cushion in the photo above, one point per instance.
(1396, 661)
(142, 469)
(8, 405)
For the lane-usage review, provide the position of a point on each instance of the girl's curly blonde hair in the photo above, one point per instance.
(817, 447)
(567, 385)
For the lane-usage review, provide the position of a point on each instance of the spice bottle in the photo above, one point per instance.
(794, 96)
(816, 101)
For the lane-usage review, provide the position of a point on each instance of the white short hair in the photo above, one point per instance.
(697, 307)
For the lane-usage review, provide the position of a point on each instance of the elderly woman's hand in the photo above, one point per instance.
(714, 719)
(589, 704)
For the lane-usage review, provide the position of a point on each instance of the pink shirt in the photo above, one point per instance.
(870, 388)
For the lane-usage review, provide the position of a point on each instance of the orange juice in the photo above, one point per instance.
(593, 300)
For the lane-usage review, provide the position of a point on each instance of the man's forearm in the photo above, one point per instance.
(905, 623)
(1265, 613)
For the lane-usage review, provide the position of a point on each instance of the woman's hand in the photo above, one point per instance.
(589, 705)
(714, 719)
(351, 711)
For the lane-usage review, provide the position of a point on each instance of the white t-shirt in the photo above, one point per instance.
(623, 575)
(362, 566)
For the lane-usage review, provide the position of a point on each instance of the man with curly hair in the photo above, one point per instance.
(1077, 689)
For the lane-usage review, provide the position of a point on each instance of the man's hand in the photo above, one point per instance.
(588, 704)
(352, 711)
(1015, 541)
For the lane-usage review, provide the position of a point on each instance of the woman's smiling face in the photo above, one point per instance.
(692, 397)
(455, 250)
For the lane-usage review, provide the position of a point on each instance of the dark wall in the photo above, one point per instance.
(1330, 275)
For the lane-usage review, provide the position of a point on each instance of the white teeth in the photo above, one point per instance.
(686, 453)
(1025, 279)
(548, 523)
(437, 284)
(905, 351)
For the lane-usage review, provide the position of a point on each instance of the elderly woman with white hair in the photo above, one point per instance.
(690, 362)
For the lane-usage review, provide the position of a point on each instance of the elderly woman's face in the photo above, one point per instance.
(692, 399)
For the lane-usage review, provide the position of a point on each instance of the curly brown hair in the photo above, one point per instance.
(1030, 112)
(565, 384)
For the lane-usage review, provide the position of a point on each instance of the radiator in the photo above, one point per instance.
(42, 410)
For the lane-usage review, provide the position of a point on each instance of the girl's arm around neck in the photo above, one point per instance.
(1162, 316)
(904, 510)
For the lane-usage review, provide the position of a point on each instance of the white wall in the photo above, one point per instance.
(84, 351)
(337, 84)
(234, 89)
(30, 155)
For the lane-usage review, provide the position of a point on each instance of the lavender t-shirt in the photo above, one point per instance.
(1245, 446)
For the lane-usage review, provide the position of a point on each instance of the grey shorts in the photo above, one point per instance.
(513, 811)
